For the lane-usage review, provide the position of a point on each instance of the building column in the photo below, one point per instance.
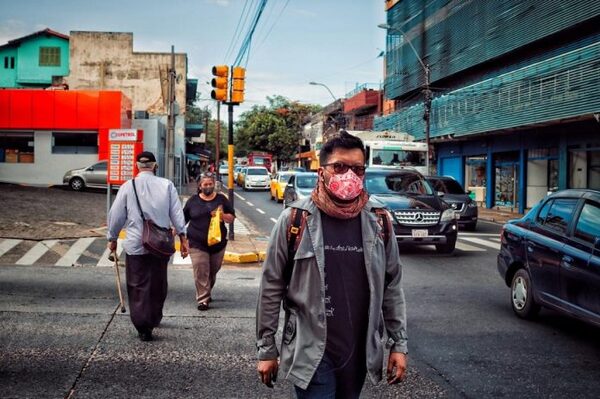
(563, 163)
(489, 179)
(522, 179)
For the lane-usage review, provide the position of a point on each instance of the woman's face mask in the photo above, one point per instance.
(207, 190)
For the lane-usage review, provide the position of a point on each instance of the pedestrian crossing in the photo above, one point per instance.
(92, 251)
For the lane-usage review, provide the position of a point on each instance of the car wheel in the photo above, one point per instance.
(521, 296)
(446, 248)
(77, 184)
(244, 187)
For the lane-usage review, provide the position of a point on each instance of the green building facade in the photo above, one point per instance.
(34, 60)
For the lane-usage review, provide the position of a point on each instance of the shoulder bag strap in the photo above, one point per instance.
(138, 200)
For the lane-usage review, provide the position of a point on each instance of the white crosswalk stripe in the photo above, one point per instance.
(468, 248)
(36, 252)
(85, 251)
(7, 245)
(75, 251)
(482, 242)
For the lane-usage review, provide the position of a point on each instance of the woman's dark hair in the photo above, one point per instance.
(343, 139)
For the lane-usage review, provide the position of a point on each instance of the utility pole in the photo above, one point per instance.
(230, 158)
(218, 137)
(170, 160)
(427, 115)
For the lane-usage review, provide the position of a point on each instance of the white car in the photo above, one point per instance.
(257, 177)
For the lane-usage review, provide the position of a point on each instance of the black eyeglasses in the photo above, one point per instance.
(340, 167)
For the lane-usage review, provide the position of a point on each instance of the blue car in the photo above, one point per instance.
(551, 256)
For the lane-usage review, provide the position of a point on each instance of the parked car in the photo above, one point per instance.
(454, 194)
(256, 177)
(420, 216)
(551, 256)
(299, 185)
(278, 184)
(223, 173)
(94, 175)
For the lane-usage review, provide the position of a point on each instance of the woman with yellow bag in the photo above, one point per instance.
(207, 214)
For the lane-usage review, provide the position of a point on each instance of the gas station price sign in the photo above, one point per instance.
(124, 145)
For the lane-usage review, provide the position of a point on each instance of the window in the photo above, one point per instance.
(74, 143)
(9, 62)
(307, 181)
(588, 228)
(16, 147)
(257, 172)
(49, 56)
(560, 214)
(543, 213)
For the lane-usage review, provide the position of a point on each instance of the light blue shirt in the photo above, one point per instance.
(160, 203)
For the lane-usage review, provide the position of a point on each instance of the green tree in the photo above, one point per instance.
(276, 128)
(197, 115)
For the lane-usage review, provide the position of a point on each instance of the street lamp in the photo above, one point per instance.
(426, 90)
(325, 86)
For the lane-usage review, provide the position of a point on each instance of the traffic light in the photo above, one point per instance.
(220, 82)
(238, 83)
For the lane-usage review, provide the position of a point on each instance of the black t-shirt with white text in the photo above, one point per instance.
(346, 289)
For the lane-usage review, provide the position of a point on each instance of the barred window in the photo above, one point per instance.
(49, 56)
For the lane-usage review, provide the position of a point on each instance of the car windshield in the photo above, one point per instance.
(404, 183)
(397, 157)
(306, 181)
(284, 177)
(223, 168)
(448, 186)
(257, 172)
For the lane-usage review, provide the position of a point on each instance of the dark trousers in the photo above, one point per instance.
(146, 289)
(330, 382)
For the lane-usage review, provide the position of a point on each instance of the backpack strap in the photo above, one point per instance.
(384, 221)
(298, 221)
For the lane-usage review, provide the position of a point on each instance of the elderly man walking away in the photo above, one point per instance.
(340, 288)
(146, 273)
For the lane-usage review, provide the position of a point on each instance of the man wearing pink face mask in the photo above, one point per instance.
(343, 289)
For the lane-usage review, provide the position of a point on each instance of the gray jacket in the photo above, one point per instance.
(305, 332)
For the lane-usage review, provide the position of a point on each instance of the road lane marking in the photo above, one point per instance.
(468, 248)
(475, 234)
(7, 245)
(70, 258)
(495, 239)
(249, 203)
(273, 220)
(260, 211)
(481, 242)
(36, 252)
(239, 196)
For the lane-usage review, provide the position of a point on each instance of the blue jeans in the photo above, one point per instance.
(330, 382)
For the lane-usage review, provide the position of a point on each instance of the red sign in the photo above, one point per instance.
(123, 147)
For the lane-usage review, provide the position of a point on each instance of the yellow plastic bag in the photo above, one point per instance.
(214, 229)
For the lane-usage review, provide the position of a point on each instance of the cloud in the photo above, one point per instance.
(304, 13)
(12, 29)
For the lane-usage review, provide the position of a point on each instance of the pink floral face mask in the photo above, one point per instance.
(345, 186)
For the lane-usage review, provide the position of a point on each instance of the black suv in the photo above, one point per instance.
(420, 217)
(551, 256)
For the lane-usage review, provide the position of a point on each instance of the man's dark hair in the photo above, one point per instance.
(344, 140)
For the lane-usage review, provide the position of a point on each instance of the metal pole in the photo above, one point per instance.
(427, 116)
(170, 171)
(218, 137)
(230, 158)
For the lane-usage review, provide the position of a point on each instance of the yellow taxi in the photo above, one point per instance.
(278, 183)
(241, 176)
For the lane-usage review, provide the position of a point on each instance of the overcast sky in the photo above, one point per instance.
(297, 41)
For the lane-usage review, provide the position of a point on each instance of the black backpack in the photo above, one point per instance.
(298, 223)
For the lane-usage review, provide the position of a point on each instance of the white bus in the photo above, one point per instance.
(393, 150)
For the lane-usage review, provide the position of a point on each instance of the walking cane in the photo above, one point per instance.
(113, 257)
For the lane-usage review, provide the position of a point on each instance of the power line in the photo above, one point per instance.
(245, 47)
(239, 27)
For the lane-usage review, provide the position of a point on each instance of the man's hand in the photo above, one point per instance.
(185, 246)
(396, 368)
(112, 246)
(267, 370)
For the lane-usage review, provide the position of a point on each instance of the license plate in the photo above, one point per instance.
(420, 233)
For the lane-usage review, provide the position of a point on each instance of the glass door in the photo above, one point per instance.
(506, 193)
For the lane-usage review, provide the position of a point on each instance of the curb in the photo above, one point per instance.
(246, 257)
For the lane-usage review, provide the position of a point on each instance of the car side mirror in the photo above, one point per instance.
(597, 243)
(440, 193)
(91, 169)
